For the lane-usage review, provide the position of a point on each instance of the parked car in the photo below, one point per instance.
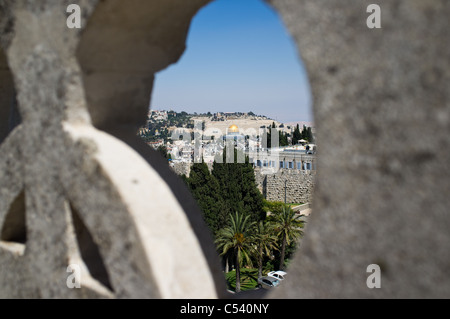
(280, 275)
(268, 282)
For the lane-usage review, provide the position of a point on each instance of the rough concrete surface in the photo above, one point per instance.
(382, 114)
(89, 198)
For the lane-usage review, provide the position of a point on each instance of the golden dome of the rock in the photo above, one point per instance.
(233, 129)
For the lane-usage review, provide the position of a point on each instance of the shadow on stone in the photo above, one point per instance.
(9, 113)
(89, 251)
(14, 227)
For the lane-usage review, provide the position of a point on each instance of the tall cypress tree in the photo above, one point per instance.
(309, 135)
(297, 136)
(206, 191)
(282, 138)
(238, 187)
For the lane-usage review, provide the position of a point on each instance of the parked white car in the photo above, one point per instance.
(268, 282)
(280, 275)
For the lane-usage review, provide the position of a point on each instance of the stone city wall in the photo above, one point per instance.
(298, 185)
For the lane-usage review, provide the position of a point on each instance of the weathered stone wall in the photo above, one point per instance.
(299, 185)
(181, 168)
(382, 114)
(77, 187)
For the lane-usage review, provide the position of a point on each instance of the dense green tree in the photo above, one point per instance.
(304, 134)
(206, 191)
(229, 189)
(282, 138)
(309, 135)
(238, 187)
(273, 207)
(288, 226)
(237, 238)
(297, 135)
(265, 241)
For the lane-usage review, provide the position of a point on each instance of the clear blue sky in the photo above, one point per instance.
(239, 57)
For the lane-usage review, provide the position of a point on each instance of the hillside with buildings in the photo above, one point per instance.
(161, 124)
(188, 138)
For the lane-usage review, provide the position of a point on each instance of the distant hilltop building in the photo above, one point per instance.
(227, 116)
(158, 116)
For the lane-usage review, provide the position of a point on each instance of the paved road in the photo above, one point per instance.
(303, 209)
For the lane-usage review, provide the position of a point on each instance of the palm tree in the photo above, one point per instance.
(238, 239)
(265, 241)
(288, 226)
